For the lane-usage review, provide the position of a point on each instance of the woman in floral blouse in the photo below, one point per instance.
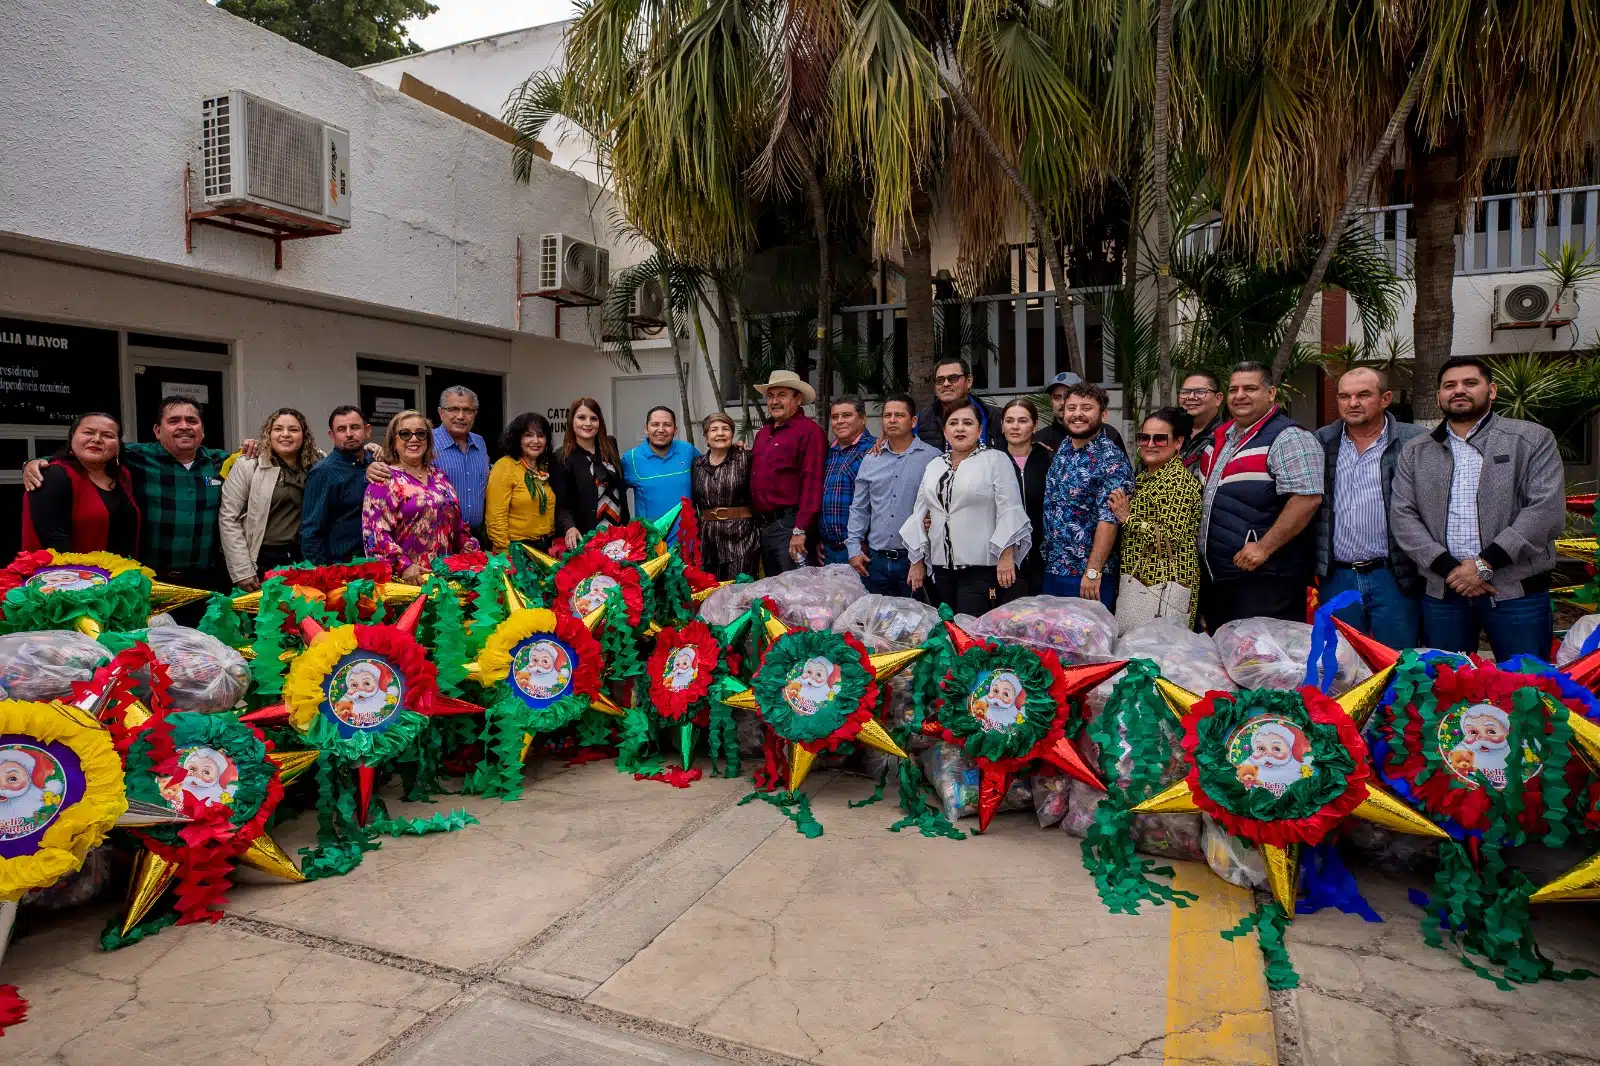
(414, 517)
(1160, 523)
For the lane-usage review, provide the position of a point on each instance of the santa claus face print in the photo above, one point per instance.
(590, 594)
(997, 700)
(32, 785)
(208, 775)
(680, 670)
(67, 578)
(615, 550)
(365, 692)
(811, 685)
(1476, 739)
(1272, 753)
(541, 670)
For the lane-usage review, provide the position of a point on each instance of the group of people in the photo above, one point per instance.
(1447, 535)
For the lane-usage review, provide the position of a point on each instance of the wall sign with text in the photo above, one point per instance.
(49, 373)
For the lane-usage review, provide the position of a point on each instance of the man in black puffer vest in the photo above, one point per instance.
(1263, 484)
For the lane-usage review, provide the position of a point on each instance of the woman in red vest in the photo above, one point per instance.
(86, 502)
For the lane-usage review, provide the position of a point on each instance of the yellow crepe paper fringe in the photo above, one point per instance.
(84, 824)
(494, 661)
(304, 689)
(112, 564)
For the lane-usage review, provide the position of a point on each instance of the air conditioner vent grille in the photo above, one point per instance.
(1527, 303)
(216, 140)
(549, 261)
(285, 156)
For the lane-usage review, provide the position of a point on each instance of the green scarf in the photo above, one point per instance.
(537, 487)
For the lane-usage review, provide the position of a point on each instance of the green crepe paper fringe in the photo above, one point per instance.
(277, 604)
(419, 764)
(722, 739)
(341, 840)
(926, 675)
(1269, 921)
(1487, 916)
(362, 588)
(224, 623)
(634, 738)
(594, 730)
(506, 721)
(675, 603)
(1122, 877)
(618, 641)
(488, 602)
(442, 822)
(450, 652)
(121, 603)
(877, 793)
(113, 937)
(796, 806)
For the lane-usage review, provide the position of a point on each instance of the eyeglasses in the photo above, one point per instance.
(459, 410)
(949, 379)
(1155, 440)
(1196, 392)
(411, 434)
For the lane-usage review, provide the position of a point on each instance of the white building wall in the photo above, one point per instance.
(485, 72)
(1474, 311)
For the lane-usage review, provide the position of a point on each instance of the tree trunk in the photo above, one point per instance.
(819, 225)
(679, 369)
(1130, 256)
(1048, 246)
(1354, 202)
(1436, 207)
(1163, 200)
(702, 307)
(920, 356)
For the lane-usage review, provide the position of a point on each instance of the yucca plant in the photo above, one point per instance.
(1560, 392)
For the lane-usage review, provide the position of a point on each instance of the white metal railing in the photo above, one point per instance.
(1010, 338)
(1504, 233)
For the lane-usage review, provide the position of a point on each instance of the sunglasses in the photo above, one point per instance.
(411, 434)
(949, 379)
(1156, 440)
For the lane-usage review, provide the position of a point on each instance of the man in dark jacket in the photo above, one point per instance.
(1263, 484)
(1478, 504)
(1355, 547)
(952, 388)
(1055, 434)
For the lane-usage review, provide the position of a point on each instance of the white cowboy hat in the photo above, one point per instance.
(788, 379)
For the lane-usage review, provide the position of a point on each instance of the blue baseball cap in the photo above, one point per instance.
(1065, 378)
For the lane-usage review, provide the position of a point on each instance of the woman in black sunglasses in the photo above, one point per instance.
(414, 517)
(1160, 522)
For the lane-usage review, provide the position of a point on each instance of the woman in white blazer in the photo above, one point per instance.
(977, 531)
(259, 521)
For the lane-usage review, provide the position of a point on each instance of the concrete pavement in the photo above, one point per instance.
(604, 920)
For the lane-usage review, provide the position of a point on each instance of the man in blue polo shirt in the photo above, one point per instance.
(657, 468)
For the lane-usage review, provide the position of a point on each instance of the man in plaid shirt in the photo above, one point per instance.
(177, 483)
(848, 420)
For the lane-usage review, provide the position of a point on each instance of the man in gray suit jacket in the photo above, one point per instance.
(1478, 504)
(1356, 548)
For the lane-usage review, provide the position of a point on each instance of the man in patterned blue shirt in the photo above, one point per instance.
(1080, 532)
(847, 418)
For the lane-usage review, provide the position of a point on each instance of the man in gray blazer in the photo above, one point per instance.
(1478, 504)
(1356, 548)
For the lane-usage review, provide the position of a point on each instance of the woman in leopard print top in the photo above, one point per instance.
(1160, 523)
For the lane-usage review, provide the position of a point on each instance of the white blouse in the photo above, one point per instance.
(977, 512)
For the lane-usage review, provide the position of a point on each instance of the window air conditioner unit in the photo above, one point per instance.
(1531, 305)
(261, 154)
(574, 268)
(649, 306)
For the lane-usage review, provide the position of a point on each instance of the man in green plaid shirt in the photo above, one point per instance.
(177, 483)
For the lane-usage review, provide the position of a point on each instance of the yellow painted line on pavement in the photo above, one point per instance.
(1217, 1007)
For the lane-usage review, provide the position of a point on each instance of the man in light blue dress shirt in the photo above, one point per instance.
(657, 468)
(885, 495)
(461, 454)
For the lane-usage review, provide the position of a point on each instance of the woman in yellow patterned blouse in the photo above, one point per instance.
(1160, 523)
(519, 504)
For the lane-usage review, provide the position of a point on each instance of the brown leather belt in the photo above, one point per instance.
(725, 514)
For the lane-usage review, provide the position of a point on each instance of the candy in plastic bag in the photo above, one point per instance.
(1050, 794)
(1079, 630)
(1232, 859)
(1189, 660)
(954, 778)
(1572, 644)
(1272, 653)
(889, 623)
(809, 597)
(206, 675)
(43, 665)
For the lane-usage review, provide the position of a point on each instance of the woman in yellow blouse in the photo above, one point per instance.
(520, 504)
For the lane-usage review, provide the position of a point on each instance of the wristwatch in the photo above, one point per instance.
(1091, 574)
(1485, 571)
(797, 533)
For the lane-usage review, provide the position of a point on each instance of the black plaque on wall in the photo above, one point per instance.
(50, 373)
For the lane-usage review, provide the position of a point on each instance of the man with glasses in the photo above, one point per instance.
(460, 453)
(952, 388)
(1201, 396)
(1055, 434)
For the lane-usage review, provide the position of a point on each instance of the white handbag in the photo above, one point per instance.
(1138, 603)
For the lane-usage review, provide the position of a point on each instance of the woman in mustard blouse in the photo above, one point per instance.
(520, 505)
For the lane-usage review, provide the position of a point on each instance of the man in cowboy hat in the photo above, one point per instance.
(786, 472)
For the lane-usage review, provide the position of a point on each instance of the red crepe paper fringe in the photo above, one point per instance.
(13, 1008)
(672, 775)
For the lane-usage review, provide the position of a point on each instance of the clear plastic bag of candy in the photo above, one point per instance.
(43, 665)
(1232, 859)
(1166, 836)
(809, 597)
(889, 623)
(1050, 792)
(954, 778)
(1572, 644)
(1186, 658)
(1079, 630)
(206, 675)
(1272, 653)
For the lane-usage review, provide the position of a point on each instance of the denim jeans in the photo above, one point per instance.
(1385, 612)
(1063, 585)
(831, 555)
(887, 577)
(1523, 626)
